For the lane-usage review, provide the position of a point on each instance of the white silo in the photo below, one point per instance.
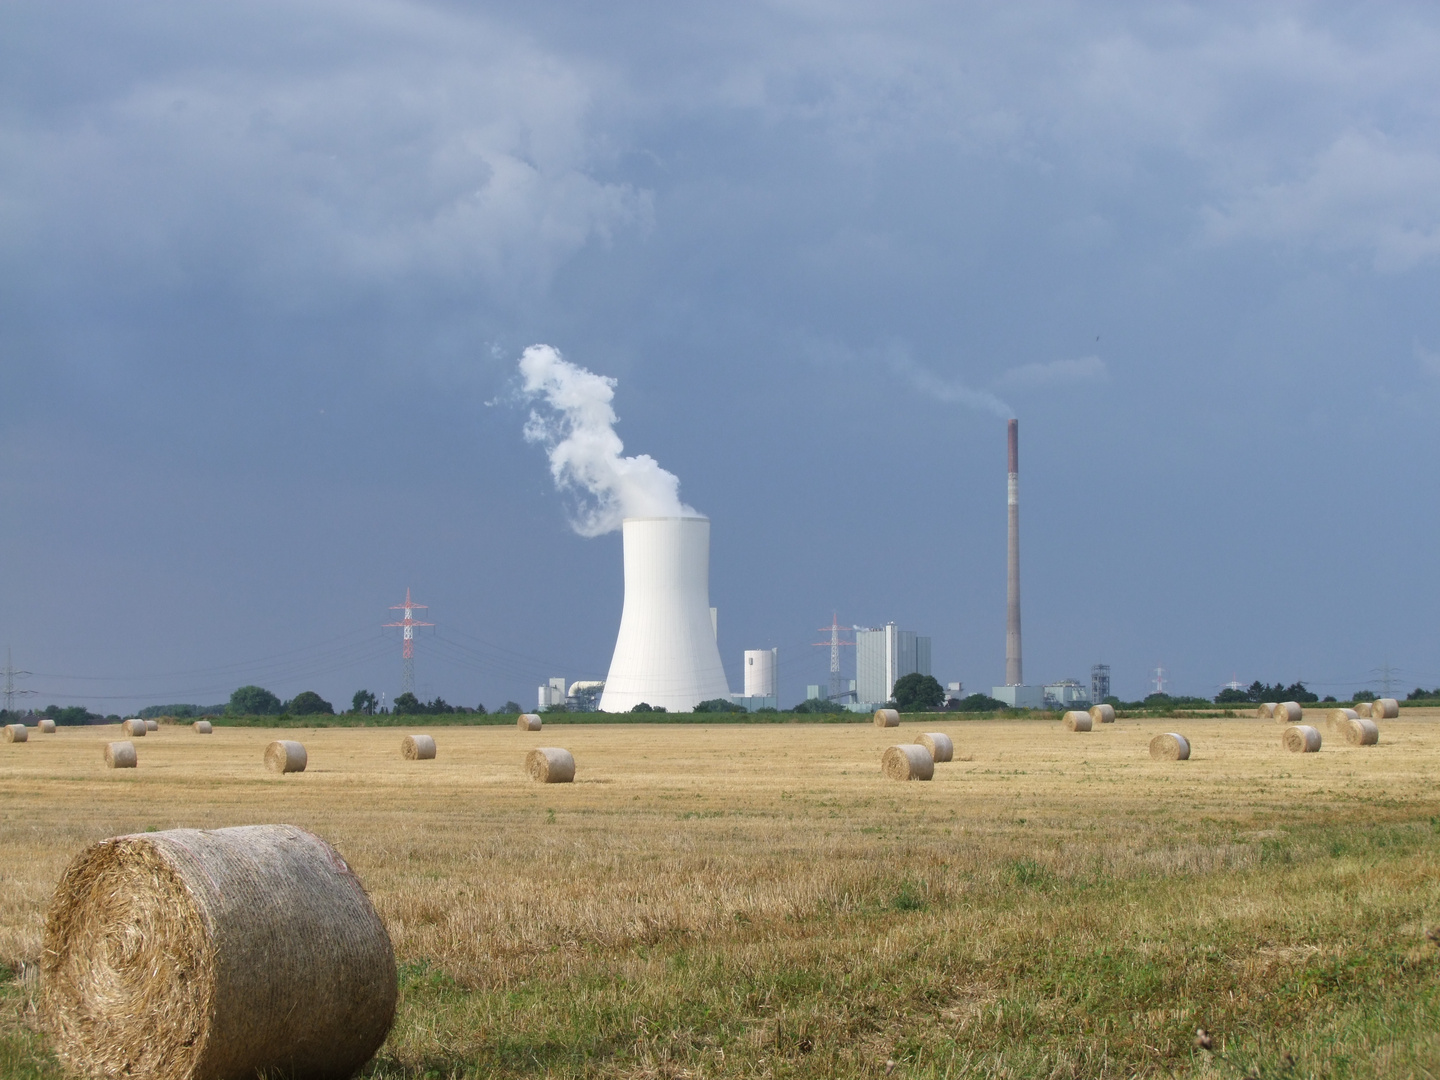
(665, 653)
(760, 672)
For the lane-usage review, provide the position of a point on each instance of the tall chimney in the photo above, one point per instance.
(1013, 672)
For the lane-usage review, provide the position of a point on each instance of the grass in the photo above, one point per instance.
(711, 900)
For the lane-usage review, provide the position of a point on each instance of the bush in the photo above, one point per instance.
(978, 703)
(645, 706)
(718, 705)
(819, 705)
(309, 703)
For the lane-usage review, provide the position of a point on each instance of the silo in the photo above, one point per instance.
(760, 672)
(665, 654)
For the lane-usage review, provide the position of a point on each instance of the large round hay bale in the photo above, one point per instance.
(135, 728)
(1362, 731)
(212, 955)
(550, 765)
(939, 745)
(120, 755)
(17, 733)
(1075, 720)
(1338, 718)
(1385, 708)
(1362, 709)
(203, 727)
(286, 755)
(152, 725)
(1301, 739)
(1289, 712)
(1170, 747)
(1102, 713)
(907, 761)
(417, 748)
(887, 718)
(528, 722)
(47, 726)
(1266, 711)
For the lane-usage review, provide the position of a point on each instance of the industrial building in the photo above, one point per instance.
(762, 685)
(883, 655)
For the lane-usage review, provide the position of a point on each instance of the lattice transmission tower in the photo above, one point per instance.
(408, 624)
(838, 689)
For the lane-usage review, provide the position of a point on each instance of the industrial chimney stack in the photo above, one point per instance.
(1013, 673)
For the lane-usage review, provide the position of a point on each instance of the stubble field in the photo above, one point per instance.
(758, 901)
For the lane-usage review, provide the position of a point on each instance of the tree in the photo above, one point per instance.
(253, 701)
(364, 702)
(819, 705)
(511, 708)
(645, 706)
(309, 703)
(978, 703)
(718, 705)
(480, 709)
(1230, 696)
(1365, 695)
(915, 692)
(407, 704)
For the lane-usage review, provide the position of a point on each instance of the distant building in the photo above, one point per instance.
(584, 696)
(1065, 694)
(884, 655)
(1099, 683)
(552, 693)
(1020, 697)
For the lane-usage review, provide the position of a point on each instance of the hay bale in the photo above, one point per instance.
(1266, 711)
(1301, 739)
(1075, 720)
(120, 755)
(47, 726)
(1338, 718)
(1362, 731)
(286, 755)
(211, 955)
(17, 733)
(152, 725)
(528, 722)
(1289, 712)
(1102, 714)
(135, 728)
(887, 718)
(1170, 747)
(939, 745)
(907, 761)
(417, 748)
(1385, 708)
(203, 727)
(1362, 709)
(550, 765)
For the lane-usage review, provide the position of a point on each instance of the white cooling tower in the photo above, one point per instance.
(666, 652)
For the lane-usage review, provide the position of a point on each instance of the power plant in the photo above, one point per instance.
(666, 653)
(1014, 668)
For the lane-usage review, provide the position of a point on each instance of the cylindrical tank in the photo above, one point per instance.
(665, 654)
(759, 673)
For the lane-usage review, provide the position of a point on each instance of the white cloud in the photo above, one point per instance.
(1085, 369)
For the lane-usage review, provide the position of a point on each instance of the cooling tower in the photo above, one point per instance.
(666, 652)
(1013, 667)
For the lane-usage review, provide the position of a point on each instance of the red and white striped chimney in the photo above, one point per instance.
(1013, 670)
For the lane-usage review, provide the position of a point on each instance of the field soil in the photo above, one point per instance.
(756, 900)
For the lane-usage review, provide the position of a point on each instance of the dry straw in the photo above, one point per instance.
(907, 761)
(939, 745)
(1170, 747)
(417, 748)
(47, 726)
(1075, 720)
(1266, 711)
(285, 755)
(1362, 731)
(120, 755)
(1289, 712)
(1385, 708)
(203, 727)
(1362, 709)
(528, 722)
(550, 765)
(215, 955)
(152, 725)
(887, 718)
(134, 728)
(1102, 713)
(1301, 739)
(17, 733)
(1338, 718)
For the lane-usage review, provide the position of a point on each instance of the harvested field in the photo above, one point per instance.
(724, 901)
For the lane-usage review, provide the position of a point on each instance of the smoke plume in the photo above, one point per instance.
(578, 433)
(952, 393)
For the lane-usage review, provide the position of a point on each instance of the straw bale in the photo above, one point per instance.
(417, 748)
(1075, 720)
(1289, 712)
(887, 718)
(203, 727)
(215, 955)
(1362, 709)
(1338, 718)
(285, 755)
(907, 761)
(528, 722)
(1170, 747)
(1385, 708)
(550, 765)
(1362, 731)
(939, 745)
(152, 725)
(134, 728)
(1102, 713)
(17, 733)
(47, 726)
(1266, 711)
(1301, 739)
(120, 755)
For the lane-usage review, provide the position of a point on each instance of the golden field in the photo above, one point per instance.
(756, 900)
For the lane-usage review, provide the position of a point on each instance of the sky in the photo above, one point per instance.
(267, 272)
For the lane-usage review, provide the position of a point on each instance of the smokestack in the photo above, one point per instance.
(665, 653)
(1013, 669)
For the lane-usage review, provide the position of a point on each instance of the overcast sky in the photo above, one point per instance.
(266, 271)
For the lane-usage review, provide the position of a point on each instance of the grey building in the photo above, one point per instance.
(883, 655)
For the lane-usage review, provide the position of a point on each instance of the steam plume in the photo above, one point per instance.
(585, 453)
(950, 392)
